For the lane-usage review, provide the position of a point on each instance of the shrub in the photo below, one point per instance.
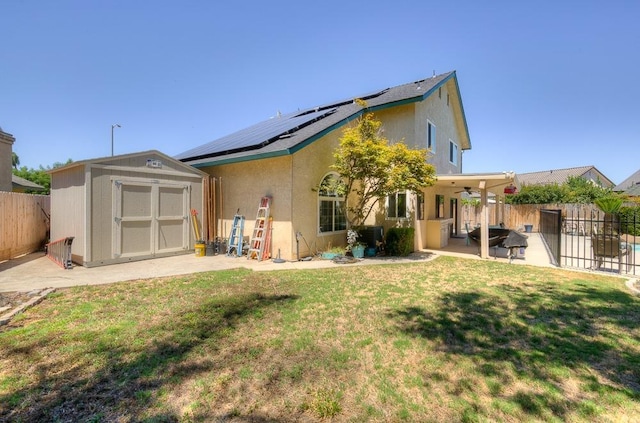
(630, 220)
(399, 241)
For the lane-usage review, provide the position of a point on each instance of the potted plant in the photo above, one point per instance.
(333, 252)
(356, 248)
(606, 243)
(610, 206)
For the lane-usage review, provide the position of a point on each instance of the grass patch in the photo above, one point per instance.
(446, 340)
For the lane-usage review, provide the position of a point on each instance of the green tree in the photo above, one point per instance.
(371, 168)
(15, 160)
(39, 176)
(575, 190)
(583, 191)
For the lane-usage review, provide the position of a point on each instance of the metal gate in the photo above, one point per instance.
(582, 241)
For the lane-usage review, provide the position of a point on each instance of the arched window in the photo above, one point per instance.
(331, 217)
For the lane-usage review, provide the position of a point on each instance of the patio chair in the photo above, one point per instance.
(610, 247)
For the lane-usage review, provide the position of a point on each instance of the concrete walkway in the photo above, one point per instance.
(35, 271)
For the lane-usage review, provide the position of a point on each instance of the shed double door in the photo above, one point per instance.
(150, 218)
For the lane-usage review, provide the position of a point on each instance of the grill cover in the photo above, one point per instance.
(515, 240)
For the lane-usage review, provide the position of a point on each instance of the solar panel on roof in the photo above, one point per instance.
(258, 135)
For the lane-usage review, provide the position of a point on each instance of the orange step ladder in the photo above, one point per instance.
(260, 244)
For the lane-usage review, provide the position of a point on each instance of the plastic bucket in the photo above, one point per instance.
(200, 248)
(528, 228)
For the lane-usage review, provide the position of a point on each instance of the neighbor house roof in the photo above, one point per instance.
(287, 133)
(560, 176)
(20, 184)
(631, 185)
(633, 191)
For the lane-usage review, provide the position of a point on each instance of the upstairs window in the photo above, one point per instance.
(453, 152)
(331, 217)
(431, 137)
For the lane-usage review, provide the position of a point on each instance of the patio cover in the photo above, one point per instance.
(485, 183)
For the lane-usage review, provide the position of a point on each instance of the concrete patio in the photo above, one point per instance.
(36, 271)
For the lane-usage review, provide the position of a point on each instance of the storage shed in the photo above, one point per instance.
(124, 208)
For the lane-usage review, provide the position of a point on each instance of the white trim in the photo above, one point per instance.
(406, 207)
(335, 199)
(145, 170)
(154, 242)
(88, 206)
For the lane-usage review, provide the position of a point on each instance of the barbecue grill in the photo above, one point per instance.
(514, 241)
(501, 237)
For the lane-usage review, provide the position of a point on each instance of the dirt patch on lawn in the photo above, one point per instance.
(15, 299)
(11, 303)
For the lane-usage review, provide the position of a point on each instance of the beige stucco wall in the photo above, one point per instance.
(241, 186)
(443, 116)
(409, 122)
(6, 148)
(311, 165)
(292, 180)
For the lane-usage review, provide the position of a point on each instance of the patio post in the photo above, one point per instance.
(484, 224)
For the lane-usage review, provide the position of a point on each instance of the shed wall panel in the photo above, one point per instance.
(68, 209)
(103, 180)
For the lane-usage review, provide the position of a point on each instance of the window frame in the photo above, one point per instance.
(454, 151)
(335, 214)
(396, 203)
(431, 140)
(440, 206)
(420, 206)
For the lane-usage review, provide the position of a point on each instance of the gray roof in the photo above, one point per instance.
(559, 176)
(628, 183)
(289, 133)
(19, 182)
(633, 191)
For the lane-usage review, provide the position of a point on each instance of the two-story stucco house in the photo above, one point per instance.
(288, 156)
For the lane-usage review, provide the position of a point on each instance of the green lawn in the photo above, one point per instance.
(445, 340)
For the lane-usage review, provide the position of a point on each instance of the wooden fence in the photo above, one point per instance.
(24, 223)
(516, 216)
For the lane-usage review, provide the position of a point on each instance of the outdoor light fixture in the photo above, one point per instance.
(113, 126)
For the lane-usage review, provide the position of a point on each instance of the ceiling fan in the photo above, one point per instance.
(466, 189)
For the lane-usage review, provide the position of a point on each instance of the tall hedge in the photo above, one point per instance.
(399, 241)
(629, 220)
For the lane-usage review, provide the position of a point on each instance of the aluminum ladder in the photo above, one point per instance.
(261, 237)
(237, 235)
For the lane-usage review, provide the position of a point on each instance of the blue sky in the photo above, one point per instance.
(545, 85)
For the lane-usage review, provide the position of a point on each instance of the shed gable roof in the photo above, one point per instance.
(286, 134)
(147, 155)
